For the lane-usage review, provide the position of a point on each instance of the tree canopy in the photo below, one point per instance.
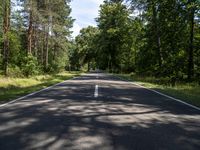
(36, 38)
(157, 38)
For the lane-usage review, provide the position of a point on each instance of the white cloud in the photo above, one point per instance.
(76, 29)
(97, 2)
(85, 13)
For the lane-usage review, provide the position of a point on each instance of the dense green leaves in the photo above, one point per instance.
(113, 24)
(157, 38)
(86, 48)
(38, 36)
(29, 65)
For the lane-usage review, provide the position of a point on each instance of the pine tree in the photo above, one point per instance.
(6, 29)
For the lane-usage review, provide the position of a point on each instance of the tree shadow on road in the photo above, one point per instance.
(73, 119)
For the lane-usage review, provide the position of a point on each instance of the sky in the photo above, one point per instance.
(85, 12)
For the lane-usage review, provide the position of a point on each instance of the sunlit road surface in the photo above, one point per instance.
(98, 112)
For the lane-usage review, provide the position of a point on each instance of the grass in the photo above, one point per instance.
(12, 88)
(188, 92)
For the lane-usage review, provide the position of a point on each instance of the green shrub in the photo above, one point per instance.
(52, 68)
(30, 66)
(15, 71)
(132, 74)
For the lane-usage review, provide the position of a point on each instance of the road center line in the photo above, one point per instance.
(96, 91)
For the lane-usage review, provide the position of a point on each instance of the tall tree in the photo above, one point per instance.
(112, 23)
(192, 8)
(6, 29)
(86, 45)
(1, 32)
(38, 34)
(47, 17)
(30, 27)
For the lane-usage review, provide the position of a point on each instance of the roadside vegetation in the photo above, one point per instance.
(35, 45)
(188, 92)
(14, 87)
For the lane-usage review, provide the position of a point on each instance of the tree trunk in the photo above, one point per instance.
(157, 32)
(88, 66)
(43, 45)
(30, 31)
(191, 46)
(54, 51)
(35, 42)
(47, 30)
(47, 47)
(6, 29)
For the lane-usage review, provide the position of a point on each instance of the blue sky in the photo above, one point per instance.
(85, 12)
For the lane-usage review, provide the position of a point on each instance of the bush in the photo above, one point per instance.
(52, 68)
(15, 71)
(30, 66)
(132, 74)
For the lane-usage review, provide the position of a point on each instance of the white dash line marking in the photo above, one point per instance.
(96, 94)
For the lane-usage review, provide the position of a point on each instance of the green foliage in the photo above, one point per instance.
(39, 37)
(15, 48)
(1, 34)
(15, 72)
(153, 38)
(86, 48)
(57, 65)
(113, 23)
(1, 18)
(30, 66)
(74, 58)
(156, 41)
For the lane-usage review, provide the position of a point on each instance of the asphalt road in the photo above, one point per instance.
(98, 112)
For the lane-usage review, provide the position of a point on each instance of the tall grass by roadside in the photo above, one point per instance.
(188, 92)
(11, 88)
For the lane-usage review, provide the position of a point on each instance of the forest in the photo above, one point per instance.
(35, 39)
(157, 38)
(114, 75)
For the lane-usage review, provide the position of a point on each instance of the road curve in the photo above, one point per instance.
(98, 112)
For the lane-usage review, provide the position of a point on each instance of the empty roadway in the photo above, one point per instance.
(98, 112)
